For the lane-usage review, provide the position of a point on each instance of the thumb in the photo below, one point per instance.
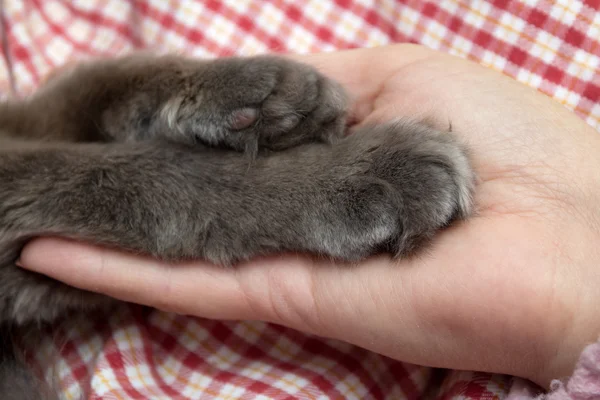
(313, 296)
(340, 301)
(200, 289)
(286, 290)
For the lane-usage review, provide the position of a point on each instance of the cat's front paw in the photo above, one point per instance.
(260, 102)
(432, 175)
(421, 180)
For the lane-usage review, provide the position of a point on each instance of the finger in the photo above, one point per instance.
(294, 291)
(319, 297)
(200, 289)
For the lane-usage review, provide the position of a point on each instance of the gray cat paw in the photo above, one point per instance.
(261, 102)
(414, 181)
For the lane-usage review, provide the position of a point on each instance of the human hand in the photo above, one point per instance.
(513, 290)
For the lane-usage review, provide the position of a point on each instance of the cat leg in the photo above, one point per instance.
(244, 104)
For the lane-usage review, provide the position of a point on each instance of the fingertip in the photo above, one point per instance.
(43, 253)
(76, 264)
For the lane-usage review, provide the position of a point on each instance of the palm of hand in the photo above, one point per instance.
(495, 293)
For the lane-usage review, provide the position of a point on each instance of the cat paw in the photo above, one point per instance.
(413, 181)
(260, 102)
(433, 176)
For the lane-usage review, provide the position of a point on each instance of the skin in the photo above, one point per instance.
(512, 290)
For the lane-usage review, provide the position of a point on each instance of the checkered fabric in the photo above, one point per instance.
(145, 354)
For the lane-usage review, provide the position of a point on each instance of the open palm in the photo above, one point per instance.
(513, 290)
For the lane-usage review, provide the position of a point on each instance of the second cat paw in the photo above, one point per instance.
(259, 102)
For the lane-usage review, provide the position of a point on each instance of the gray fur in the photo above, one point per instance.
(143, 154)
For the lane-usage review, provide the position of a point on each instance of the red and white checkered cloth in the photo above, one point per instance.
(143, 354)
